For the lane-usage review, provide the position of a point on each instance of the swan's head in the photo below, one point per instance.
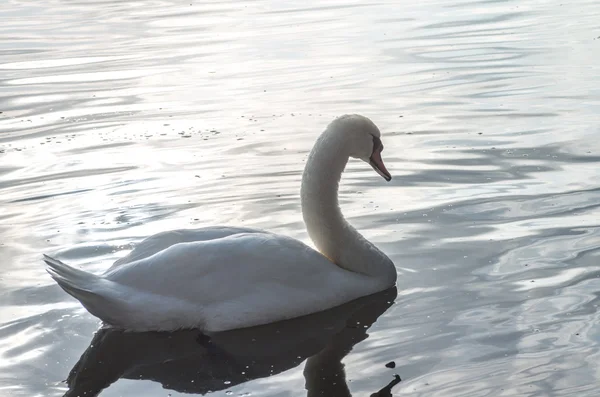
(363, 140)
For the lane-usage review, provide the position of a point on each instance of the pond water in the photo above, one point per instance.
(123, 119)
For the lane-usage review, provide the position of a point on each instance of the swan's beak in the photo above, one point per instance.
(377, 163)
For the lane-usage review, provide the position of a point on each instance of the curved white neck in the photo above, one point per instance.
(332, 234)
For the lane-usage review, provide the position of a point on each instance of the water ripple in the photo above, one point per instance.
(122, 119)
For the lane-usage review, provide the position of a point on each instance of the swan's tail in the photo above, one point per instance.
(98, 295)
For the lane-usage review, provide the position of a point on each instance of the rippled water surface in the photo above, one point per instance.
(121, 119)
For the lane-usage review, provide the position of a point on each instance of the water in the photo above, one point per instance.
(122, 119)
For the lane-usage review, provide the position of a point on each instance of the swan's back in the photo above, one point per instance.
(163, 240)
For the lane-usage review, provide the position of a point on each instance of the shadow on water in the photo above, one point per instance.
(191, 362)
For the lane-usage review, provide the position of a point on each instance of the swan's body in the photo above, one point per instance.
(222, 278)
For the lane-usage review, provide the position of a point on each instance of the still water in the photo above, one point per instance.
(123, 119)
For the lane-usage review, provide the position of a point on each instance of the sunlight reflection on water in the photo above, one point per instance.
(121, 119)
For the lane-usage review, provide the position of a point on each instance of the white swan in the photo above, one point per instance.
(222, 278)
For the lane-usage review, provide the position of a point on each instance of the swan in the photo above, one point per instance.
(223, 278)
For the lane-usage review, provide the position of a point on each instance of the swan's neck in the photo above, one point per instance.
(333, 236)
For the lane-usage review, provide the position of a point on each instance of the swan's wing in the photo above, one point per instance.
(164, 240)
(236, 281)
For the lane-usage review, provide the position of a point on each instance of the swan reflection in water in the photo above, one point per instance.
(192, 362)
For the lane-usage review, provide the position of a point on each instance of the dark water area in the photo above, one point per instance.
(123, 119)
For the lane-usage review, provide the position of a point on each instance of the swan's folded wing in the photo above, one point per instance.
(164, 240)
(243, 280)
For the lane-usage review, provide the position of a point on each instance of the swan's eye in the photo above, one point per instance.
(377, 145)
